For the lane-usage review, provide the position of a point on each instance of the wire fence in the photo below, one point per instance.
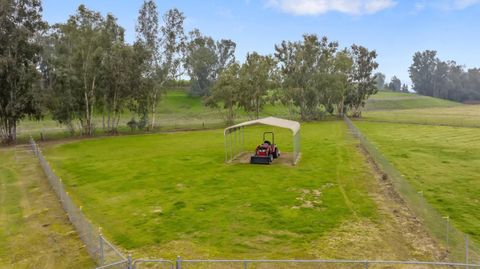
(101, 250)
(295, 264)
(456, 244)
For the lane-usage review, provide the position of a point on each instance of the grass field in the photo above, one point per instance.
(463, 115)
(171, 194)
(34, 230)
(386, 100)
(442, 162)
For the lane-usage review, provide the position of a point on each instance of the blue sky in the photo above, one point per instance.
(395, 29)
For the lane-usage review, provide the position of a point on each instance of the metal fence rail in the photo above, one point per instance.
(104, 253)
(458, 247)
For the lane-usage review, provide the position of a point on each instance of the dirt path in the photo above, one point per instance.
(34, 230)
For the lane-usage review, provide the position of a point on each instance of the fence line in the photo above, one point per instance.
(456, 245)
(104, 253)
(180, 263)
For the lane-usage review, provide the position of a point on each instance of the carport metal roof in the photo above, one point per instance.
(294, 126)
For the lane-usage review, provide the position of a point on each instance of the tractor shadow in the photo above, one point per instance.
(284, 159)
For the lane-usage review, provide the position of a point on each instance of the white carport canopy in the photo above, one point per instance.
(232, 139)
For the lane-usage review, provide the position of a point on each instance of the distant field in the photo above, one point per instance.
(442, 162)
(34, 230)
(171, 194)
(463, 115)
(385, 100)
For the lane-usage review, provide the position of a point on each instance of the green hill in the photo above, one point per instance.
(386, 100)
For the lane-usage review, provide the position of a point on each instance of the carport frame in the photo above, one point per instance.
(235, 136)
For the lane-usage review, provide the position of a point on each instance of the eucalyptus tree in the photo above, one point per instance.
(256, 78)
(395, 84)
(205, 59)
(20, 24)
(79, 53)
(362, 78)
(165, 45)
(303, 65)
(225, 92)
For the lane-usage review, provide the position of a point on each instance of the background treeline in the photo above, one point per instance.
(395, 83)
(83, 68)
(448, 80)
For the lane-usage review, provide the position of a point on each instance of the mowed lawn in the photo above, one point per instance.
(172, 194)
(443, 162)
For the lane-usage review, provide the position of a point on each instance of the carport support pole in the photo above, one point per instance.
(231, 149)
(226, 150)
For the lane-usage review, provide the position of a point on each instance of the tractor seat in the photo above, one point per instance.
(267, 142)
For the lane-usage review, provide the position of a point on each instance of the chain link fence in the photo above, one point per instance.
(101, 250)
(457, 246)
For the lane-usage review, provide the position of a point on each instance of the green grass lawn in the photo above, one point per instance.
(442, 162)
(463, 115)
(172, 194)
(34, 230)
(386, 100)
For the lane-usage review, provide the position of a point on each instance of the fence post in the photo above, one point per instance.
(100, 242)
(178, 263)
(245, 265)
(366, 264)
(129, 261)
(466, 251)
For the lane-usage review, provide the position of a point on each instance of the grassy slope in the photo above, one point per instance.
(463, 115)
(174, 191)
(443, 162)
(385, 100)
(175, 110)
(31, 219)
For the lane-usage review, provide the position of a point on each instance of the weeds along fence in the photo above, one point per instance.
(104, 253)
(456, 244)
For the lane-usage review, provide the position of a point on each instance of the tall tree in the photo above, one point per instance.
(300, 65)
(362, 78)
(380, 80)
(395, 84)
(225, 92)
(422, 71)
(20, 24)
(205, 59)
(166, 46)
(80, 50)
(255, 79)
(405, 88)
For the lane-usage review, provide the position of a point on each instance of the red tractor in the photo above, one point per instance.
(266, 152)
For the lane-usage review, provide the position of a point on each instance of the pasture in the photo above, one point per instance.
(442, 162)
(171, 194)
(387, 100)
(34, 230)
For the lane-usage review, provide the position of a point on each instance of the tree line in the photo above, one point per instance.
(83, 68)
(394, 85)
(444, 79)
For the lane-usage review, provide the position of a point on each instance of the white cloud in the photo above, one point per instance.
(318, 7)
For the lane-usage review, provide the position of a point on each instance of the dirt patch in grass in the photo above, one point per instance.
(284, 159)
(34, 230)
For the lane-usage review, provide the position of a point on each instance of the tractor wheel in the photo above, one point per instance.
(271, 157)
(276, 154)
